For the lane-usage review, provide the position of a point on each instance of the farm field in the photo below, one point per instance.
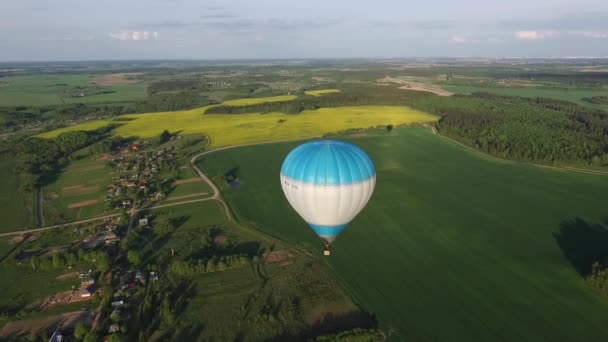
(78, 193)
(190, 190)
(572, 95)
(321, 92)
(252, 128)
(454, 245)
(17, 208)
(48, 90)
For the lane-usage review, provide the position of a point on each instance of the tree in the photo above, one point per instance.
(166, 314)
(389, 127)
(90, 337)
(164, 136)
(80, 331)
(56, 260)
(103, 262)
(134, 257)
(35, 262)
(115, 338)
(124, 217)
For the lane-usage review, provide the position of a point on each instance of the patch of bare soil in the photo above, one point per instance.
(115, 79)
(67, 275)
(186, 181)
(74, 189)
(276, 256)
(433, 90)
(187, 196)
(82, 204)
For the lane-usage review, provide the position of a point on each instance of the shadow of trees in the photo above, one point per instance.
(583, 243)
(332, 324)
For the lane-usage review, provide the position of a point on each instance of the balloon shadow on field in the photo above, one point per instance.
(583, 243)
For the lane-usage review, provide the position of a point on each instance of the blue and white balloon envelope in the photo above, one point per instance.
(328, 182)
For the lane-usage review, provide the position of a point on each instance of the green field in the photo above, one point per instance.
(92, 176)
(572, 95)
(17, 208)
(48, 90)
(189, 189)
(454, 245)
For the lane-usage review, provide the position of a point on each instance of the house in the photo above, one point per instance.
(143, 222)
(114, 328)
(85, 293)
(126, 203)
(118, 303)
(132, 285)
(87, 280)
(153, 276)
(57, 336)
(133, 147)
(142, 186)
(111, 238)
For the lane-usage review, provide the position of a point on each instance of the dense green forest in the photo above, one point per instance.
(538, 130)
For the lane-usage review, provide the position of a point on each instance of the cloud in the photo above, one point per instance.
(533, 35)
(434, 25)
(577, 21)
(458, 39)
(218, 16)
(591, 34)
(135, 35)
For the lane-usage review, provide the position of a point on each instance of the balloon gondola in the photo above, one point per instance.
(328, 182)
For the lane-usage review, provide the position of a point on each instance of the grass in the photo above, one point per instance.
(453, 245)
(189, 189)
(321, 92)
(572, 95)
(252, 128)
(87, 172)
(256, 300)
(17, 208)
(48, 90)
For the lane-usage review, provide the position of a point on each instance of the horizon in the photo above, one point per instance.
(68, 30)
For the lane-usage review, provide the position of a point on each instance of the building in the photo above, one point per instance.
(118, 303)
(87, 280)
(143, 222)
(85, 293)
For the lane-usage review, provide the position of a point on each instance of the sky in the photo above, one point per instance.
(40, 30)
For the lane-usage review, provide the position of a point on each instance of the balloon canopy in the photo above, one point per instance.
(328, 182)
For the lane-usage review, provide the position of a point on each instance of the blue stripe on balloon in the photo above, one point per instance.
(328, 162)
(327, 231)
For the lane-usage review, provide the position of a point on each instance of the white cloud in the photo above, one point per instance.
(592, 34)
(533, 35)
(458, 39)
(135, 35)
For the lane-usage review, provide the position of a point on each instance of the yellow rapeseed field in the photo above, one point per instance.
(321, 92)
(256, 100)
(235, 129)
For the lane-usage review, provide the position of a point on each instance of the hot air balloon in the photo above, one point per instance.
(328, 182)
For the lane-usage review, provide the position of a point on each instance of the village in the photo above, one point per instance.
(141, 175)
